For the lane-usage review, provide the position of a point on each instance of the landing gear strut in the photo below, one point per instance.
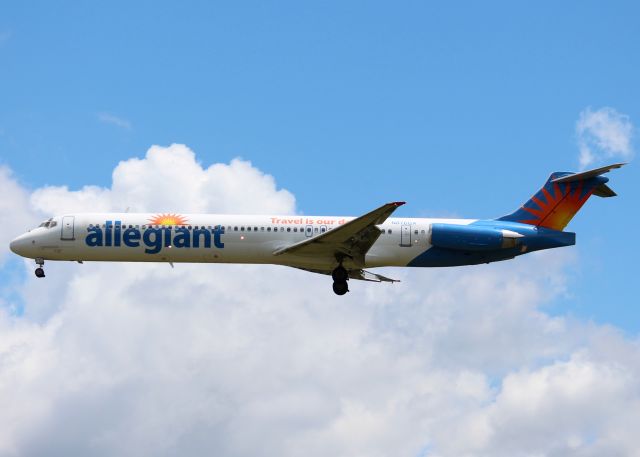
(340, 277)
(40, 270)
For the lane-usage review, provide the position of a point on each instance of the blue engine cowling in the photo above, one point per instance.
(469, 238)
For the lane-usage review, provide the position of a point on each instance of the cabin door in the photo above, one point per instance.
(67, 228)
(405, 235)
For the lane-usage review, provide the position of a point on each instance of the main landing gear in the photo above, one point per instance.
(40, 270)
(340, 277)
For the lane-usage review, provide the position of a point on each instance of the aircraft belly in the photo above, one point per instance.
(393, 256)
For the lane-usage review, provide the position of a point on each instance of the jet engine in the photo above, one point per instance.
(472, 238)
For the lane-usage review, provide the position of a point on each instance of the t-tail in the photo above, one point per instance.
(561, 198)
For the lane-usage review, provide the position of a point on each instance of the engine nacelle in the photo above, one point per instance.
(472, 238)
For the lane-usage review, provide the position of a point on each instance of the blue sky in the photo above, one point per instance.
(457, 108)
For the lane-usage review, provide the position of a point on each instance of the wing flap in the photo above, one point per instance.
(361, 275)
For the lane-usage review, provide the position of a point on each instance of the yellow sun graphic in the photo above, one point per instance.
(168, 219)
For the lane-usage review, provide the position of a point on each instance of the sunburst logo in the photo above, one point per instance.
(168, 219)
(557, 204)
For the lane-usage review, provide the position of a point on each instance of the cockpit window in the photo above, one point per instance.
(49, 223)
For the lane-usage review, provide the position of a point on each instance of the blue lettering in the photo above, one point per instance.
(116, 235)
(182, 238)
(94, 237)
(217, 232)
(152, 239)
(131, 238)
(167, 237)
(196, 238)
(107, 236)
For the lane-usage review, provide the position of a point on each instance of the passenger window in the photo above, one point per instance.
(389, 232)
(315, 229)
(235, 229)
(268, 229)
(248, 229)
(288, 229)
(415, 232)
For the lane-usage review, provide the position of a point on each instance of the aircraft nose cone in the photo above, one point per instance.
(18, 245)
(14, 246)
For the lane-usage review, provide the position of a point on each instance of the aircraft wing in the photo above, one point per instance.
(352, 239)
(362, 275)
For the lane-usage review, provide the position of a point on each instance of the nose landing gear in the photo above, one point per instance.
(340, 277)
(40, 271)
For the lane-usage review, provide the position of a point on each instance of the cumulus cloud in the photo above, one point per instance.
(603, 134)
(170, 179)
(108, 118)
(247, 360)
(16, 215)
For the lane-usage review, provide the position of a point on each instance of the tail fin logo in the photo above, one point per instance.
(556, 204)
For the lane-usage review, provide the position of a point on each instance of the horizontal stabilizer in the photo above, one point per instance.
(604, 191)
(588, 174)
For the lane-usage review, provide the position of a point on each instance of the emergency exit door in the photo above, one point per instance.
(405, 235)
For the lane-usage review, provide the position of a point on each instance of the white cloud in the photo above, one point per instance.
(170, 179)
(603, 134)
(244, 360)
(112, 119)
(16, 215)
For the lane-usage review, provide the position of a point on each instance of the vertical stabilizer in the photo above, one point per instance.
(561, 198)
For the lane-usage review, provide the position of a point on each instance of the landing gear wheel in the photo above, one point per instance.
(40, 270)
(340, 274)
(340, 287)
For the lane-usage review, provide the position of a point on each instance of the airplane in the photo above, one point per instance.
(343, 247)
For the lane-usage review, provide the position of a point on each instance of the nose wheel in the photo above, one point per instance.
(39, 271)
(340, 277)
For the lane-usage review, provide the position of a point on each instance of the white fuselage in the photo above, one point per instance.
(212, 238)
